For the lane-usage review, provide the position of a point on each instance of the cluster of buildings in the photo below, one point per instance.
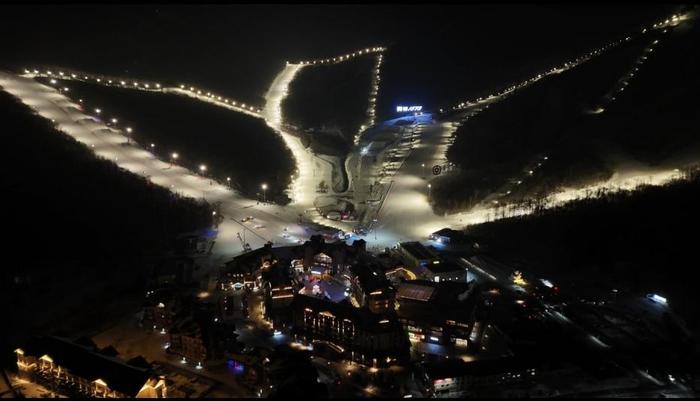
(417, 307)
(426, 264)
(80, 369)
(412, 306)
(192, 325)
(341, 296)
(174, 309)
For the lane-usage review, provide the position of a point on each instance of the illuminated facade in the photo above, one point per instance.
(79, 371)
(364, 337)
(503, 378)
(279, 293)
(441, 270)
(245, 269)
(188, 342)
(331, 256)
(440, 313)
(159, 311)
(371, 288)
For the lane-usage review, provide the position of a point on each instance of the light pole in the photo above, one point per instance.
(423, 166)
(228, 181)
(173, 158)
(203, 170)
(429, 186)
(264, 188)
(128, 137)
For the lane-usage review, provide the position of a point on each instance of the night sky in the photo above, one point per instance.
(436, 54)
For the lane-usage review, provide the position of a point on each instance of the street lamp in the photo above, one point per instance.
(128, 137)
(264, 188)
(429, 186)
(423, 166)
(202, 168)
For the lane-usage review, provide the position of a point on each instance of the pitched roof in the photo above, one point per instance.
(428, 301)
(416, 291)
(370, 277)
(417, 249)
(90, 364)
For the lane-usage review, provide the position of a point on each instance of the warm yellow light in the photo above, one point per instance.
(518, 279)
(100, 382)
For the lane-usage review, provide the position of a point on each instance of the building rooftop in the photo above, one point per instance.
(436, 302)
(90, 364)
(443, 266)
(277, 275)
(490, 265)
(415, 291)
(447, 232)
(454, 235)
(249, 261)
(371, 278)
(451, 368)
(417, 249)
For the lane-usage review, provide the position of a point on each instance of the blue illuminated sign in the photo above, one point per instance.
(402, 109)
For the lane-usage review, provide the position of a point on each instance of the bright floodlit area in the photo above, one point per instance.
(350, 201)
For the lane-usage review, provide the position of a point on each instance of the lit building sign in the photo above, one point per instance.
(402, 109)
